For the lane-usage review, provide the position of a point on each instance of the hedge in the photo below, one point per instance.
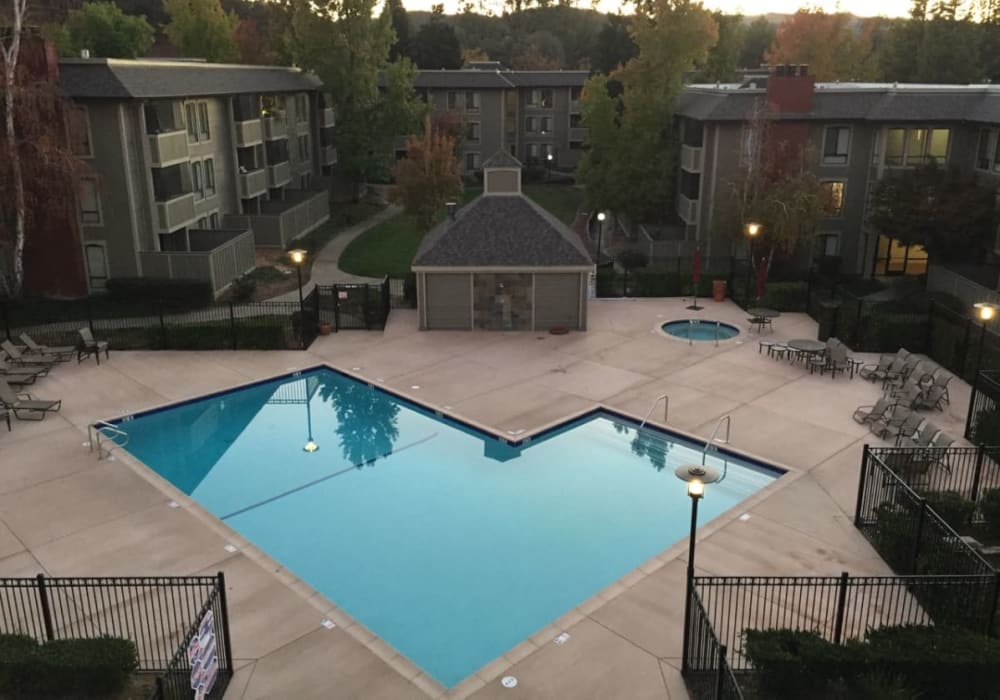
(176, 293)
(251, 334)
(66, 667)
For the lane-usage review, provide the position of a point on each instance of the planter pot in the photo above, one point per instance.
(718, 290)
(325, 328)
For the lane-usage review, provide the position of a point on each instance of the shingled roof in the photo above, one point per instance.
(501, 159)
(501, 231)
(120, 79)
(480, 78)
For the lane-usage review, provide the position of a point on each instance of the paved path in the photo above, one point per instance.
(325, 270)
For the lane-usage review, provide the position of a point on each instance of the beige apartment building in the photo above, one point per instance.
(194, 165)
(536, 116)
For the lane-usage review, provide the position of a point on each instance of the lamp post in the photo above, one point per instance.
(601, 216)
(697, 477)
(310, 445)
(298, 256)
(548, 166)
(751, 230)
(986, 311)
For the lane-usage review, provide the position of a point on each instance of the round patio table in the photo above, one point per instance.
(759, 312)
(806, 345)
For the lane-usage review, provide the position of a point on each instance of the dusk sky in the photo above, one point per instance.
(889, 8)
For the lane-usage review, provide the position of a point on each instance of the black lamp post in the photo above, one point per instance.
(986, 311)
(298, 256)
(548, 166)
(751, 229)
(696, 476)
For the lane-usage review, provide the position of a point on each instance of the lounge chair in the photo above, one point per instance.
(61, 353)
(869, 414)
(891, 422)
(941, 379)
(908, 394)
(932, 398)
(89, 346)
(20, 375)
(34, 409)
(20, 359)
(907, 429)
(924, 438)
(877, 371)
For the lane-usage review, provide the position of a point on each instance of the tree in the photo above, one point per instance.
(938, 44)
(10, 52)
(758, 39)
(107, 32)
(428, 177)
(436, 46)
(615, 46)
(724, 57)
(201, 29)
(401, 26)
(828, 44)
(947, 211)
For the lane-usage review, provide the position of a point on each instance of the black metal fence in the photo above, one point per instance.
(360, 306)
(900, 524)
(982, 422)
(403, 292)
(159, 614)
(707, 671)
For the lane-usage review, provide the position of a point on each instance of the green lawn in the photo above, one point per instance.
(389, 247)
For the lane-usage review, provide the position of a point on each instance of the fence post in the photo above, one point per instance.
(625, 284)
(90, 316)
(364, 308)
(719, 674)
(991, 619)
(838, 627)
(336, 306)
(979, 355)
(43, 597)
(6, 319)
(386, 301)
(232, 324)
(163, 327)
(225, 621)
(970, 414)
(965, 349)
(865, 456)
(920, 533)
(976, 477)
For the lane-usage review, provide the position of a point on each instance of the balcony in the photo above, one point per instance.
(327, 117)
(691, 158)
(282, 221)
(252, 183)
(248, 133)
(279, 174)
(168, 147)
(578, 133)
(328, 155)
(275, 127)
(687, 209)
(175, 212)
(215, 256)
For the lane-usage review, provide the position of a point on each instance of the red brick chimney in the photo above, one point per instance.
(790, 90)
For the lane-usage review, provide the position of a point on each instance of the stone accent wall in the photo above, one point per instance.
(502, 302)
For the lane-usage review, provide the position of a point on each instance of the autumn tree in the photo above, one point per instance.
(947, 211)
(428, 177)
(201, 29)
(107, 32)
(828, 43)
(724, 57)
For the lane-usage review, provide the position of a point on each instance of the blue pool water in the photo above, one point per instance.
(450, 545)
(696, 329)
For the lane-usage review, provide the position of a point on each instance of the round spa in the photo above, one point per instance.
(697, 329)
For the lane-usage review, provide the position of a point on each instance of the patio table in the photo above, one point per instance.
(761, 312)
(805, 347)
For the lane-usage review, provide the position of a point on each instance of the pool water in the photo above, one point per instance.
(447, 543)
(696, 329)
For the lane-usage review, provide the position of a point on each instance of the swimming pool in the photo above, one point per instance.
(449, 544)
(696, 329)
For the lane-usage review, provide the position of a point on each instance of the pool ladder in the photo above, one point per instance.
(112, 434)
(714, 440)
(696, 322)
(666, 409)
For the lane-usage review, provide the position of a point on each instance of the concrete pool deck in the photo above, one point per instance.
(64, 513)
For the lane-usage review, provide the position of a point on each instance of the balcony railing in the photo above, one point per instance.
(175, 212)
(279, 174)
(275, 127)
(687, 209)
(168, 147)
(252, 183)
(327, 117)
(248, 133)
(691, 158)
(280, 222)
(216, 256)
(328, 155)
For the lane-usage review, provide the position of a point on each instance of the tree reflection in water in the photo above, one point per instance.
(366, 420)
(647, 443)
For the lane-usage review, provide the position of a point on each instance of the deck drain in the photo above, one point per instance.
(414, 386)
(744, 517)
(515, 432)
(173, 504)
(355, 369)
(508, 682)
(230, 548)
(329, 624)
(561, 639)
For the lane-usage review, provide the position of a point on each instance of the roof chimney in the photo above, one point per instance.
(451, 206)
(84, 53)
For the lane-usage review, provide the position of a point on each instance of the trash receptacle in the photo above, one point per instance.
(718, 290)
(827, 318)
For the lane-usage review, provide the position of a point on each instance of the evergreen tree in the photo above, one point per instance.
(107, 32)
(436, 45)
(201, 29)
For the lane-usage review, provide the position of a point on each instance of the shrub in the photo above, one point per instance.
(67, 667)
(989, 506)
(883, 331)
(243, 288)
(176, 293)
(878, 685)
(251, 334)
(631, 259)
(792, 663)
(785, 296)
(953, 508)
(987, 428)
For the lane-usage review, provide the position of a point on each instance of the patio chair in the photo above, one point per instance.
(34, 409)
(908, 394)
(61, 353)
(890, 423)
(924, 437)
(90, 346)
(908, 428)
(839, 361)
(23, 375)
(941, 379)
(931, 399)
(876, 372)
(869, 414)
(16, 357)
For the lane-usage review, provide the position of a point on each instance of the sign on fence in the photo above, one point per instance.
(203, 657)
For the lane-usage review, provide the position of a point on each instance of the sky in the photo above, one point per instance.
(861, 8)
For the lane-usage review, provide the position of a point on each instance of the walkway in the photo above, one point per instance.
(325, 270)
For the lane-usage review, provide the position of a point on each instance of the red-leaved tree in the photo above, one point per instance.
(428, 176)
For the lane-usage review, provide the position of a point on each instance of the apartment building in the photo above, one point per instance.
(856, 134)
(536, 116)
(193, 165)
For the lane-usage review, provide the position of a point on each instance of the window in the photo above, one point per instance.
(196, 182)
(828, 244)
(79, 131)
(472, 161)
(304, 148)
(209, 177)
(471, 101)
(305, 181)
(472, 132)
(575, 121)
(302, 107)
(832, 197)
(836, 145)
(983, 151)
(576, 145)
(97, 264)
(575, 93)
(531, 124)
(90, 203)
(213, 220)
(452, 100)
(895, 144)
(204, 133)
(916, 146)
(532, 152)
(273, 106)
(192, 121)
(540, 98)
(996, 153)
(202, 222)
(546, 124)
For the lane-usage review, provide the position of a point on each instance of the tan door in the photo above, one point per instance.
(448, 301)
(557, 301)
